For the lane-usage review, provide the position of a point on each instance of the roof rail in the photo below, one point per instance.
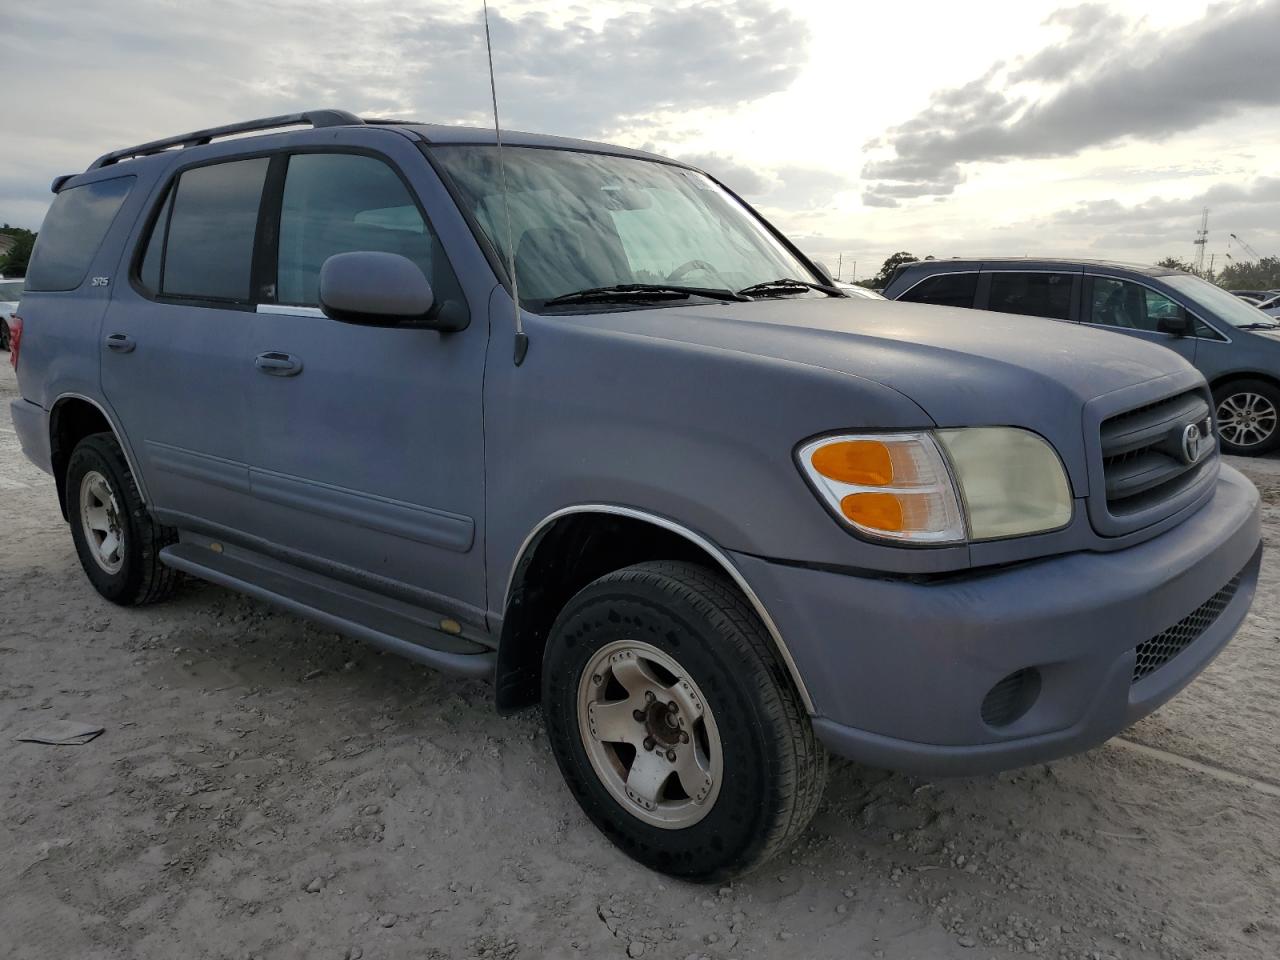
(317, 119)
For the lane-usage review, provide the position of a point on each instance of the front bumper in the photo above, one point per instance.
(31, 423)
(898, 670)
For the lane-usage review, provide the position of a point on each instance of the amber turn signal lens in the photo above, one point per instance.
(863, 462)
(877, 511)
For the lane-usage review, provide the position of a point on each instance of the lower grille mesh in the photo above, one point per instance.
(1164, 646)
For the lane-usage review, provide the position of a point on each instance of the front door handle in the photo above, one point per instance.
(278, 364)
(120, 343)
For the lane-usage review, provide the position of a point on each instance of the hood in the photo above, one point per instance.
(961, 367)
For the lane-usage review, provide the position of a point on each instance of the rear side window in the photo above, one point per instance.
(201, 246)
(944, 289)
(341, 203)
(72, 232)
(1032, 294)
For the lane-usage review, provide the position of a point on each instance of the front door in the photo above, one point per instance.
(1128, 307)
(365, 443)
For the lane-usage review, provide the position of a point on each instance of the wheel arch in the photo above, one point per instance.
(575, 545)
(73, 417)
(1222, 379)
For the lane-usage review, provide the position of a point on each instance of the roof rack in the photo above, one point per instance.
(316, 118)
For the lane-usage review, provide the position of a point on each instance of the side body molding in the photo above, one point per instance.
(698, 540)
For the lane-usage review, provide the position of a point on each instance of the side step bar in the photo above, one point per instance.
(311, 600)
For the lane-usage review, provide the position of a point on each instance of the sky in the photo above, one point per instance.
(944, 129)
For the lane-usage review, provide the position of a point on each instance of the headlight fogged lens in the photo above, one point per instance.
(1012, 481)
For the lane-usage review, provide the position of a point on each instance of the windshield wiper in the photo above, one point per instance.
(631, 292)
(1258, 325)
(787, 285)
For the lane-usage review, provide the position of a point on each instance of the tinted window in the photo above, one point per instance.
(1129, 306)
(149, 273)
(340, 203)
(209, 251)
(1033, 294)
(945, 289)
(73, 229)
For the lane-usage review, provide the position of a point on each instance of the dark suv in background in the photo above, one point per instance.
(1235, 345)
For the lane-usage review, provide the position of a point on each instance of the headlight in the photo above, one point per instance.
(900, 486)
(1012, 480)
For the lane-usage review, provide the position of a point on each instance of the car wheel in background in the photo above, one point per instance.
(1248, 414)
(676, 728)
(118, 543)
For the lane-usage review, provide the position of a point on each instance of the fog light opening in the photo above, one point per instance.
(1011, 698)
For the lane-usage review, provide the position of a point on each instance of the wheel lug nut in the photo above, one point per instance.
(639, 715)
(648, 695)
(673, 706)
(684, 737)
(671, 755)
(597, 679)
(648, 743)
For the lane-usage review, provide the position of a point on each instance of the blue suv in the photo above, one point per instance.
(1235, 346)
(575, 418)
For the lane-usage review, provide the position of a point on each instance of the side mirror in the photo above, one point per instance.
(827, 276)
(1178, 324)
(381, 290)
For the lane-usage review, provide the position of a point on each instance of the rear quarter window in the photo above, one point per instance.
(72, 232)
(944, 289)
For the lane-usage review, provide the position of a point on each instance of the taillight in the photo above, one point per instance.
(15, 338)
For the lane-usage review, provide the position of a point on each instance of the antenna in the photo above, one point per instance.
(522, 338)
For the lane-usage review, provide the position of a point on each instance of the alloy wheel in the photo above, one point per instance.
(649, 734)
(1247, 419)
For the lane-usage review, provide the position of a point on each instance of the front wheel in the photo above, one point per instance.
(1248, 417)
(676, 728)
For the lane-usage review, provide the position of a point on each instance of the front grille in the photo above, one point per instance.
(1143, 459)
(1164, 646)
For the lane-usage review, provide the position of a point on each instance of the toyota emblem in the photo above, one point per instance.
(1191, 443)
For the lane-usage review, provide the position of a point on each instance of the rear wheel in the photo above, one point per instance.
(118, 542)
(676, 728)
(4, 334)
(1248, 413)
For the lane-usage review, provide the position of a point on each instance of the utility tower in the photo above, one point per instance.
(1202, 240)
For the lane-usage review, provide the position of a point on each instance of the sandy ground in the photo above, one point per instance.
(267, 789)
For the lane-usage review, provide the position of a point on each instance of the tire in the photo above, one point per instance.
(1248, 417)
(102, 501)
(749, 772)
(4, 335)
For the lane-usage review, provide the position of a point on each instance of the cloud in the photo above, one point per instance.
(86, 77)
(737, 176)
(1251, 210)
(790, 187)
(1109, 79)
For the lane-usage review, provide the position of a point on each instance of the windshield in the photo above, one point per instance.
(10, 289)
(1223, 305)
(585, 220)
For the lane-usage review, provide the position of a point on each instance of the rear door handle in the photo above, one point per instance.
(120, 343)
(278, 364)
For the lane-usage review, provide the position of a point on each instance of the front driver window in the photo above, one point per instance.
(342, 203)
(1129, 306)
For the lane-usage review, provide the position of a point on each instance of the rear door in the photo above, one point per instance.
(1034, 293)
(1132, 308)
(366, 443)
(173, 350)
